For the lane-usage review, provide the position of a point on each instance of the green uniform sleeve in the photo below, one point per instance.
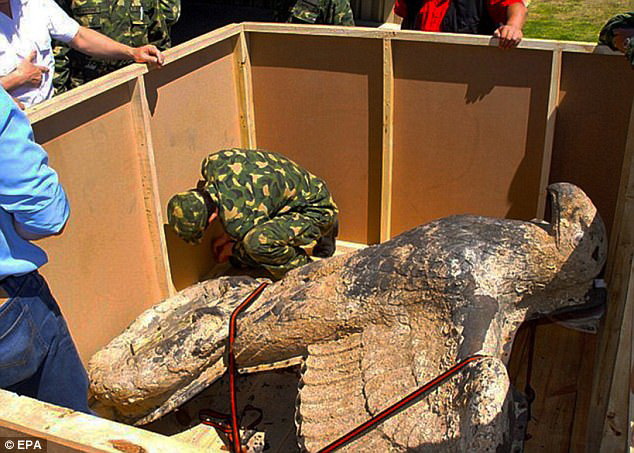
(171, 10)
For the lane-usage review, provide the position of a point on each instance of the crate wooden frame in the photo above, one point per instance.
(217, 79)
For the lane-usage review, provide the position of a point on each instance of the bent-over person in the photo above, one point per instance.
(270, 208)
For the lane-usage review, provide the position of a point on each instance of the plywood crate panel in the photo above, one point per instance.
(100, 269)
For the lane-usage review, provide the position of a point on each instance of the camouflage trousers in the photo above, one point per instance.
(276, 245)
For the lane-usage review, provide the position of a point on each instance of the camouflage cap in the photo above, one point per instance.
(187, 213)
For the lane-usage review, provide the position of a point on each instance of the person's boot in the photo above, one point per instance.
(327, 244)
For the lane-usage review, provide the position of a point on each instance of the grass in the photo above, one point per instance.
(571, 20)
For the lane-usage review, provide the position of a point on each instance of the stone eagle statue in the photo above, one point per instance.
(372, 326)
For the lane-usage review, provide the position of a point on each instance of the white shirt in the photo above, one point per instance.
(34, 23)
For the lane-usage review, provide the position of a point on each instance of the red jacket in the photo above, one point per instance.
(432, 12)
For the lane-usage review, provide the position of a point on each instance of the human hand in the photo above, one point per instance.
(148, 54)
(509, 35)
(222, 248)
(29, 73)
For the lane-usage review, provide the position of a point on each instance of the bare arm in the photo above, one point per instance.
(97, 45)
(511, 34)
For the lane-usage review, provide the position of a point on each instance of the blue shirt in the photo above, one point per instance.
(30, 193)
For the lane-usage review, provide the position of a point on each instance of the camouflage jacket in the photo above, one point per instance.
(253, 186)
(325, 12)
(131, 22)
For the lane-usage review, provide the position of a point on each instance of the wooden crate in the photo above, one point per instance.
(404, 126)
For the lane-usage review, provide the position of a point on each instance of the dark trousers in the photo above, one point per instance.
(37, 355)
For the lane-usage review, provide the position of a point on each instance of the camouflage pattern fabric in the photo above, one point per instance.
(275, 246)
(61, 77)
(269, 205)
(131, 22)
(171, 11)
(606, 36)
(324, 12)
(188, 215)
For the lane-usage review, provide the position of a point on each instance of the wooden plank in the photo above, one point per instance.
(630, 428)
(578, 435)
(387, 169)
(559, 379)
(202, 42)
(194, 111)
(124, 75)
(345, 246)
(620, 261)
(69, 431)
(85, 92)
(121, 76)
(554, 408)
(590, 143)
(245, 92)
(204, 437)
(591, 134)
(613, 413)
(105, 261)
(553, 101)
(555, 382)
(406, 35)
(616, 426)
(149, 181)
(625, 190)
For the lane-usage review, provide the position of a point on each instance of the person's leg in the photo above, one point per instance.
(277, 244)
(60, 377)
(22, 350)
(327, 244)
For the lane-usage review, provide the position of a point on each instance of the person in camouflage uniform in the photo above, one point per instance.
(269, 207)
(324, 12)
(132, 22)
(618, 33)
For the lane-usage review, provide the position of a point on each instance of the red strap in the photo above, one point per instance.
(231, 427)
(235, 427)
(390, 411)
